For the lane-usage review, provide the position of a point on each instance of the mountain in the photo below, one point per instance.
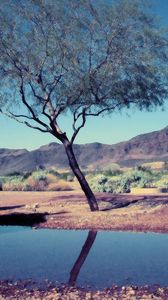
(148, 147)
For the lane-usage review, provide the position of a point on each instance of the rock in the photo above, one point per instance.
(35, 205)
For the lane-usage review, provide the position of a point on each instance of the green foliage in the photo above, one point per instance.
(41, 180)
(27, 175)
(39, 175)
(82, 57)
(109, 181)
(121, 182)
(14, 173)
(70, 178)
(112, 172)
(53, 172)
(166, 165)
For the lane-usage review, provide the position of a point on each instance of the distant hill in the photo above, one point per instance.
(142, 148)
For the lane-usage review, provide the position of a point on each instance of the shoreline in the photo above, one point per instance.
(69, 210)
(19, 291)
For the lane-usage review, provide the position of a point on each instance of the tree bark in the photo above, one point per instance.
(82, 256)
(80, 176)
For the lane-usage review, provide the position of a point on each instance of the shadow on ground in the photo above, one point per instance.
(23, 219)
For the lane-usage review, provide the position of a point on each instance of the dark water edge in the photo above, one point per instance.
(23, 219)
(87, 259)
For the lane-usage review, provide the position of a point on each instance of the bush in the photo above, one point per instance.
(61, 185)
(112, 172)
(118, 185)
(13, 186)
(162, 183)
(14, 173)
(122, 182)
(27, 175)
(53, 172)
(70, 178)
(35, 184)
(98, 182)
(39, 176)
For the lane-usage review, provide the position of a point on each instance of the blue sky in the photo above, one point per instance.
(108, 130)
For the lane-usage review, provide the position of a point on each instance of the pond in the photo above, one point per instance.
(94, 259)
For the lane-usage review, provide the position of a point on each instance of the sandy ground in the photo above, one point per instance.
(70, 210)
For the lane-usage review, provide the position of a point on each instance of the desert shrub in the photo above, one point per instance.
(26, 175)
(39, 175)
(50, 178)
(112, 172)
(27, 188)
(14, 185)
(70, 178)
(16, 178)
(162, 183)
(120, 184)
(66, 176)
(142, 168)
(53, 172)
(14, 173)
(3, 179)
(61, 185)
(140, 177)
(36, 184)
(101, 179)
(165, 166)
(97, 187)
(98, 182)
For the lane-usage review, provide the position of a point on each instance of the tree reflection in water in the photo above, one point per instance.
(82, 257)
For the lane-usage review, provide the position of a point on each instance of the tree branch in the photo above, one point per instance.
(20, 116)
(23, 98)
(12, 116)
(79, 127)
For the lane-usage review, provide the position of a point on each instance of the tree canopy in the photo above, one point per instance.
(87, 57)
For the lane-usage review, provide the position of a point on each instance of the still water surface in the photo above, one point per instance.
(110, 257)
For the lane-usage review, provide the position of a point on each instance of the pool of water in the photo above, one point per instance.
(89, 259)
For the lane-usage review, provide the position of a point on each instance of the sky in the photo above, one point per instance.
(107, 130)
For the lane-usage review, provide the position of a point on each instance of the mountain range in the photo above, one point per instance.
(147, 147)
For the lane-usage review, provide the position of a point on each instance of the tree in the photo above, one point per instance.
(83, 57)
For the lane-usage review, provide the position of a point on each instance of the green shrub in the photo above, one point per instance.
(122, 182)
(70, 178)
(26, 175)
(162, 183)
(13, 185)
(111, 172)
(14, 173)
(53, 172)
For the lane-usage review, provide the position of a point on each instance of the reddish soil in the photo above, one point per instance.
(69, 210)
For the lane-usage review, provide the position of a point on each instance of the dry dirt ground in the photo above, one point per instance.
(69, 210)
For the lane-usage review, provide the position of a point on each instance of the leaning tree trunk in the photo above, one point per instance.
(80, 176)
